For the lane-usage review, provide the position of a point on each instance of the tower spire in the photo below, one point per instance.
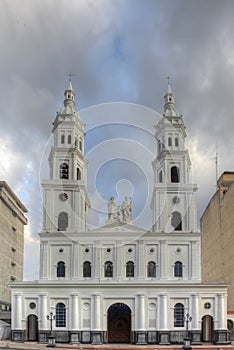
(169, 105)
(69, 95)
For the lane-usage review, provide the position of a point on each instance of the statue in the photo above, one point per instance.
(127, 210)
(111, 208)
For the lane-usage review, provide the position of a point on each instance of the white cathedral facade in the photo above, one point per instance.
(119, 283)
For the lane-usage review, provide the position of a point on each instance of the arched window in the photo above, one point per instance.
(175, 174)
(87, 269)
(78, 174)
(176, 221)
(160, 176)
(64, 171)
(151, 269)
(62, 139)
(179, 315)
(108, 269)
(69, 139)
(178, 269)
(130, 269)
(62, 221)
(169, 141)
(176, 142)
(80, 145)
(60, 318)
(60, 269)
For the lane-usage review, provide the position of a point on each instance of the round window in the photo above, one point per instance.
(63, 196)
(108, 250)
(207, 305)
(130, 250)
(176, 200)
(32, 305)
(60, 250)
(87, 250)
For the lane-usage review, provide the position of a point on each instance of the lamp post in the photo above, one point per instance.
(187, 340)
(51, 338)
(187, 319)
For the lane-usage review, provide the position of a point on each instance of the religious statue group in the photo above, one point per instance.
(121, 212)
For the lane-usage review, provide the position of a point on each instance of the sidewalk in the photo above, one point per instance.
(38, 346)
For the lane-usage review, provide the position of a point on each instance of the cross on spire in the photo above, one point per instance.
(70, 75)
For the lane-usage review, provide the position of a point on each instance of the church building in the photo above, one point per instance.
(119, 283)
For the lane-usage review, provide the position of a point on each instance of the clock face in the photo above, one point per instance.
(63, 196)
(176, 200)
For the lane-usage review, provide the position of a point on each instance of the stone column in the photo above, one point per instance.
(44, 260)
(97, 334)
(163, 260)
(163, 320)
(17, 332)
(221, 314)
(195, 326)
(195, 312)
(75, 260)
(141, 260)
(141, 312)
(75, 320)
(75, 312)
(119, 268)
(18, 311)
(43, 312)
(221, 333)
(141, 334)
(163, 325)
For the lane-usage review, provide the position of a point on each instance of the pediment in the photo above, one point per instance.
(119, 226)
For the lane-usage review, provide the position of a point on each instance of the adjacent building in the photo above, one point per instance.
(12, 221)
(119, 283)
(217, 238)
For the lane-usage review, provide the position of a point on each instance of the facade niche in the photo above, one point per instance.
(178, 269)
(61, 269)
(151, 269)
(108, 272)
(176, 221)
(130, 269)
(87, 269)
(62, 221)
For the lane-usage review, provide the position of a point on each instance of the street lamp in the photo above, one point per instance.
(51, 338)
(187, 340)
(187, 319)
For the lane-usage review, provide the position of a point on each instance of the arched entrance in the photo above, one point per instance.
(119, 323)
(207, 328)
(32, 328)
(230, 328)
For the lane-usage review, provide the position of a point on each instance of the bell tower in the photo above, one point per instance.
(65, 198)
(173, 203)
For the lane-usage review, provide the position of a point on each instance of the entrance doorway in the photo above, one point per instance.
(119, 323)
(32, 333)
(207, 328)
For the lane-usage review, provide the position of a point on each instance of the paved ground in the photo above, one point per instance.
(6, 344)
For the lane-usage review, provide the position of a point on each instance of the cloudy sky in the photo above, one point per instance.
(119, 51)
